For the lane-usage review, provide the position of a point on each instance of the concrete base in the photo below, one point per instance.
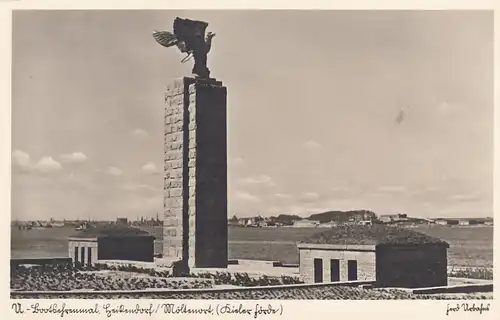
(253, 268)
(177, 268)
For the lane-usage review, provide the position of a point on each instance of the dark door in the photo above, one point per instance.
(334, 270)
(89, 256)
(318, 270)
(83, 255)
(76, 254)
(352, 270)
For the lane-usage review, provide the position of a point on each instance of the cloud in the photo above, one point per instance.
(20, 158)
(445, 107)
(138, 187)
(309, 197)
(75, 157)
(260, 179)
(304, 211)
(149, 168)
(346, 192)
(390, 189)
(238, 161)
(311, 145)
(75, 181)
(47, 165)
(274, 210)
(139, 133)
(114, 171)
(465, 197)
(378, 195)
(282, 196)
(245, 196)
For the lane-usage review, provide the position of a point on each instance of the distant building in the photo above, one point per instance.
(365, 223)
(122, 221)
(330, 224)
(476, 221)
(392, 256)
(389, 218)
(464, 222)
(304, 223)
(447, 222)
(112, 242)
(247, 222)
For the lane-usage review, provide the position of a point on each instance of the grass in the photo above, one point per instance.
(376, 234)
(127, 277)
(469, 246)
(473, 273)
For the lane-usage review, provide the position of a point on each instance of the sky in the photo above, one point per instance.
(390, 111)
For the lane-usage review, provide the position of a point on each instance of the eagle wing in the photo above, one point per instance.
(165, 38)
(168, 39)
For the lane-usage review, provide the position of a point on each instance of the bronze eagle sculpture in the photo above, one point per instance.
(189, 37)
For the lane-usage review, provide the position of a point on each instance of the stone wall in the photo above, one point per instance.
(175, 126)
(365, 258)
(412, 266)
(14, 263)
(135, 248)
(79, 243)
(195, 206)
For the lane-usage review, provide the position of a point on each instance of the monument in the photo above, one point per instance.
(195, 163)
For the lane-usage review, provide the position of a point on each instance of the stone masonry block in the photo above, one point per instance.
(199, 156)
(177, 192)
(174, 203)
(174, 183)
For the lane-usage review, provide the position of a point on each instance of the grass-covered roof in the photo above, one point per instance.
(372, 235)
(111, 230)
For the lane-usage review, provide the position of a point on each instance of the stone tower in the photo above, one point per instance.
(195, 173)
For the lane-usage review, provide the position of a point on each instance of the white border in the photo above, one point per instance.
(293, 309)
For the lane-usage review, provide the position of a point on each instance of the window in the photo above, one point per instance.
(83, 256)
(334, 270)
(89, 256)
(318, 270)
(352, 270)
(76, 254)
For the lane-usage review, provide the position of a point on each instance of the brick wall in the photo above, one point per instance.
(195, 206)
(365, 263)
(412, 266)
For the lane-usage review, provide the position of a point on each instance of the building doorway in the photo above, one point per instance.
(352, 270)
(334, 270)
(76, 255)
(83, 255)
(89, 256)
(318, 270)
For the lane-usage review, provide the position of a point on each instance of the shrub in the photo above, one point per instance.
(473, 273)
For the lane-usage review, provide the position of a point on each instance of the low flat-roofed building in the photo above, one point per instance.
(392, 256)
(111, 242)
